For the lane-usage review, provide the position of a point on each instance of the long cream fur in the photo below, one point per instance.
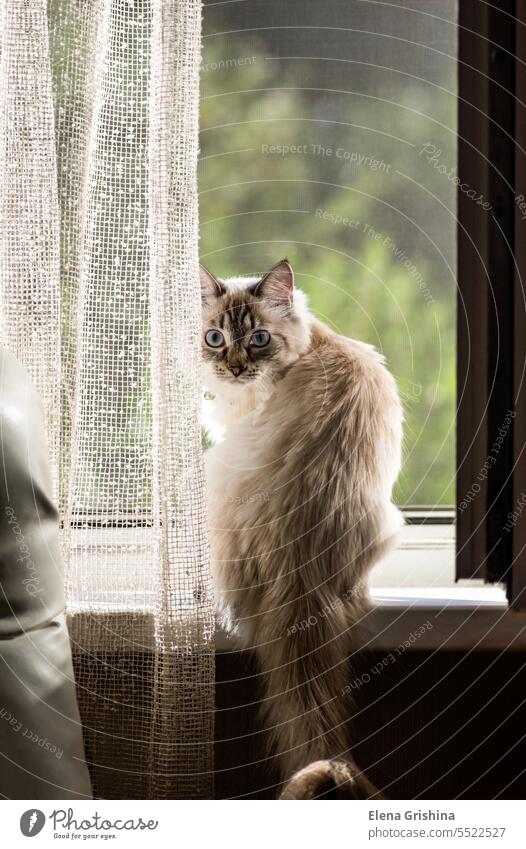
(299, 501)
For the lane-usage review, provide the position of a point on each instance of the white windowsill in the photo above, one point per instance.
(415, 584)
(449, 619)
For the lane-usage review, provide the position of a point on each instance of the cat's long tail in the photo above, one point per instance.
(307, 674)
(333, 779)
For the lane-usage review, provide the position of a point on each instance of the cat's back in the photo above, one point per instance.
(338, 370)
(338, 403)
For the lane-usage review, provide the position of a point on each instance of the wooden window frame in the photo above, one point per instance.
(491, 317)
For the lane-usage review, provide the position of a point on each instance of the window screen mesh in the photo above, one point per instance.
(329, 136)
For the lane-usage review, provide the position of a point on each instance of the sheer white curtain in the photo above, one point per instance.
(99, 298)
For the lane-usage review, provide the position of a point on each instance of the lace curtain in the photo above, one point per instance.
(99, 298)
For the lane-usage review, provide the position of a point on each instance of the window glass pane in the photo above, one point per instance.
(329, 137)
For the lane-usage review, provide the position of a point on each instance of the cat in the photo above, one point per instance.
(299, 498)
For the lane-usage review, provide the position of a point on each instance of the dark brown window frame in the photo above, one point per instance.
(491, 474)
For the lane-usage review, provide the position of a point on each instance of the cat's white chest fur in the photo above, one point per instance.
(226, 407)
(232, 427)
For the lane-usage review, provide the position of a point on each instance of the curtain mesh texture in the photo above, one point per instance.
(99, 298)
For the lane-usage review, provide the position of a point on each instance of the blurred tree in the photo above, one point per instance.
(344, 185)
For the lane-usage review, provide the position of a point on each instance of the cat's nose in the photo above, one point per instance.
(236, 370)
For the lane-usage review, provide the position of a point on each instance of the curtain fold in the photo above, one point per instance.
(99, 298)
(29, 212)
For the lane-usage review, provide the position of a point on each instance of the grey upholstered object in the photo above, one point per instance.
(41, 750)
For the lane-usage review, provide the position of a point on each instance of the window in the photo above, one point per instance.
(380, 146)
(328, 135)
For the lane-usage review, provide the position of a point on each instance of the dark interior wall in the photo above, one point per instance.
(433, 726)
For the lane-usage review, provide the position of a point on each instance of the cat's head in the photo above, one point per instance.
(253, 327)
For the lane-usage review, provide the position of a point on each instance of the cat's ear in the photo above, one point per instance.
(277, 287)
(210, 287)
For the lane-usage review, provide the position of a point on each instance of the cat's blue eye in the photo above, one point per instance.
(214, 339)
(260, 338)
